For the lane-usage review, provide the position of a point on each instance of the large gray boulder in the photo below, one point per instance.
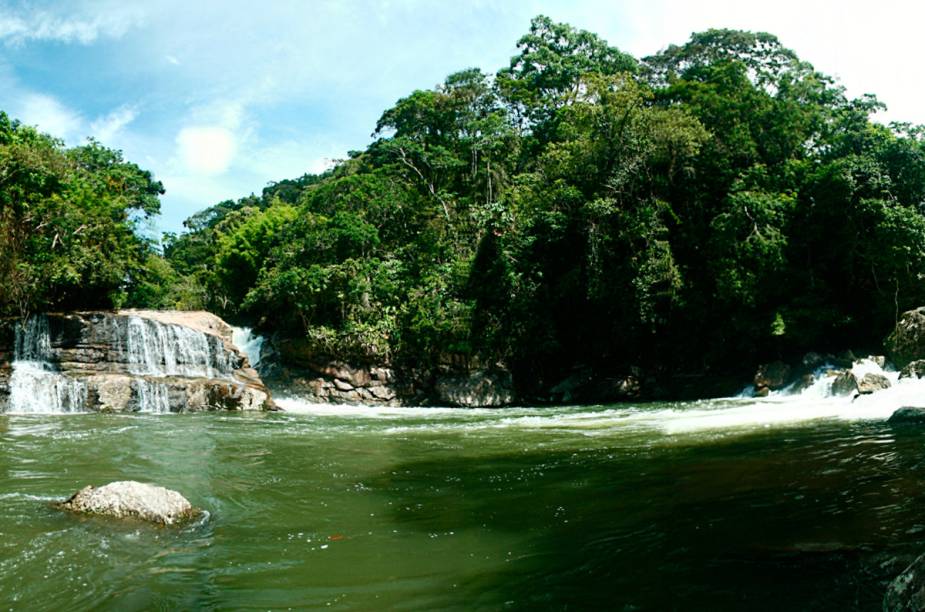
(845, 383)
(872, 382)
(907, 342)
(128, 499)
(907, 415)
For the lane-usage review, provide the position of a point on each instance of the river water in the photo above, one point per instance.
(800, 502)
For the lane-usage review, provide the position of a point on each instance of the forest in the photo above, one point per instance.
(691, 213)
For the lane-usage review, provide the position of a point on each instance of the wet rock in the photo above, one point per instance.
(906, 593)
(773, 376)
(870, 383)
(128, 499)
(478, 389)
(907, 341)
(813, 361)
(915, 369)
(907, 415)
(845, 383)
(806, 381)
(133, 360)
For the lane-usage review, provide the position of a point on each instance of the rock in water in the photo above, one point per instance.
(772, 376)
(845, 383)
(907, 591)
(915, 369)
(872, 382)
(907, 415)
(130, 499)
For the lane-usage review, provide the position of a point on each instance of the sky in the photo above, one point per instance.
(219, 97)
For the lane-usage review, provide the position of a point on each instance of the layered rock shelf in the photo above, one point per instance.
(125, 361)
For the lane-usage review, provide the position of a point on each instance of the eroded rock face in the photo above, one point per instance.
(128, 499)
(126, 361)
(907, 342)
(479, 389)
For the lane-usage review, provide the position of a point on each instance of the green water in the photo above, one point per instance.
(523, 509)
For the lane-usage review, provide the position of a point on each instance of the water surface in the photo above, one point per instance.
(717, 505)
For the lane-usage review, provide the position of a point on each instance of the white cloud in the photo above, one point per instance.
(67, 25)
(107, 128)
(207, 150)
(50, 116)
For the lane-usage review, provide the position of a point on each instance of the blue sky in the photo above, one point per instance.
(218, 97)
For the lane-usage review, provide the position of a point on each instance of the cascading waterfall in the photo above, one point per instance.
(152, 396)
(248, 343)
(157, 349)
(35, 385)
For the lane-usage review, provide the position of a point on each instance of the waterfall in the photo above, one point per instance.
(35, 385)
(157, 349)
(248, 343)
(152, 396)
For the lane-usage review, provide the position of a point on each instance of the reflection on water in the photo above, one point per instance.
(721, 505)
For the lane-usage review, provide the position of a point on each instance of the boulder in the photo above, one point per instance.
(907, 415)
(845, 383)
(773, 376)
(806, 381)
(872, 382)
(906, 593)
(915, 369)
(128, 499)
(907, 341)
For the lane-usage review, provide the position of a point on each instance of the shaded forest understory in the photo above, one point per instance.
(684, 215)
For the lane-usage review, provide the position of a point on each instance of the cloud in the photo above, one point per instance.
(206, 150)
(68, 25)
(106, 128)
(50, 116)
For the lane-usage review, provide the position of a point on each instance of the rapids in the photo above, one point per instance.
(799, 500)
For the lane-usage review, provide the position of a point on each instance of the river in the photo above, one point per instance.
(791, 502)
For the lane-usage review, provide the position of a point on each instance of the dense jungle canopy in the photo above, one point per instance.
(715, 204)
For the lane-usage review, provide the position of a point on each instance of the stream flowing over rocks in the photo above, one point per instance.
(125, 361)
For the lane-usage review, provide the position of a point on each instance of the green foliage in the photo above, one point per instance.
(68, 220)
(715, 203)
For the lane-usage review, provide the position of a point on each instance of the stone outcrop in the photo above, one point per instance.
(126, 361)
(869, 383)
(771, 377)
(477, 389)
(907, 342)
(907, 415)
(914, 369)
(845, 383)
(128, 499)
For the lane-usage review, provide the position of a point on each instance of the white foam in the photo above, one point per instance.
(740, 413)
